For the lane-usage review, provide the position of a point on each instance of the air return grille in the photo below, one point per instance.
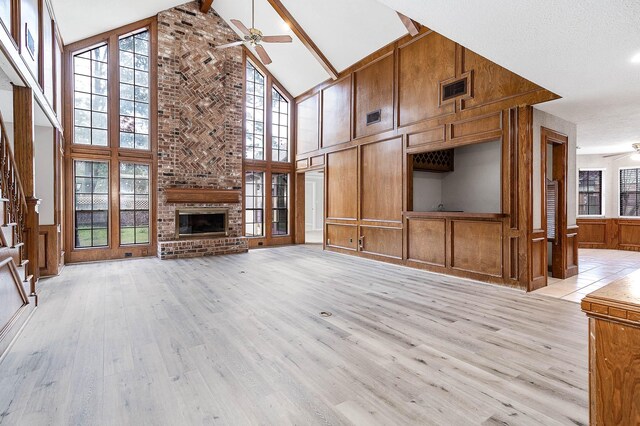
(374, 117)
(455, 88)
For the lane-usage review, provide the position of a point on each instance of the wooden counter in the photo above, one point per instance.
(460, 215)
(614, 352)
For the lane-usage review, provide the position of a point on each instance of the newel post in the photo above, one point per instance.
(32, 235)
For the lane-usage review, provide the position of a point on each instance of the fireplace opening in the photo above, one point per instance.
(201, 222)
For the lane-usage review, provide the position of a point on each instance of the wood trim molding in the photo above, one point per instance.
(304, 37)
(201, 195)
(205, 6)
(412, 26)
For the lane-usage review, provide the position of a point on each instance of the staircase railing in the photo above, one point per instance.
(15, 211)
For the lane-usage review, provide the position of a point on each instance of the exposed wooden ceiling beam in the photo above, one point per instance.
(304, 37)
(412, 26)
(205, 5)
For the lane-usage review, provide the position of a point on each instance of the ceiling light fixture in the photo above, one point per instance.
(635, 59)
(636, 155)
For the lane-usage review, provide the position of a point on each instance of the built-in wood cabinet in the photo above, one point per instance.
(369, 123)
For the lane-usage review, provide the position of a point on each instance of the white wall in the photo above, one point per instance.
(314, 201)
(473, 186)
(543, 119)
(44, 173)
(427, 191)
(611, 166)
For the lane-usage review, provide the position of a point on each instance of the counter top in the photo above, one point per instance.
(463, 215)
(619, 300)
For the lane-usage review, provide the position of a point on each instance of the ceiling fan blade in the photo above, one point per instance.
(243, 29)
(624, 154)
(277, 39)
(263, 55)
(235, 43)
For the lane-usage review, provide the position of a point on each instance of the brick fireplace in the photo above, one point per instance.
(200, 116)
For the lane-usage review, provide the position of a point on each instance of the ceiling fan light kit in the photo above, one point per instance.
(254, 37)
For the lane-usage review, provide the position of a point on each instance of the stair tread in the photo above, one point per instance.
(28, 278)
(10, 224)
(17, 245)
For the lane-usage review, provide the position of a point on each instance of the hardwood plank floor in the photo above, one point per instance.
(239, 340)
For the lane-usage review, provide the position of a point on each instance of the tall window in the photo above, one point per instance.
(90, 97)
(134, 203)
(268, 158)
(254, 110)
(134, 91)
(91, 203)
(111, 147)
(590, 192)
(280, 204)
(629, 192)
(280, 127)
(254, 204)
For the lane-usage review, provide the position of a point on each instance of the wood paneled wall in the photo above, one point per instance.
(609, 233)
(368, 172)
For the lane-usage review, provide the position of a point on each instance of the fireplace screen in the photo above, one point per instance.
(202, 222)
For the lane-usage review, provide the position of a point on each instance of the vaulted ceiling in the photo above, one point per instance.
(579, 49)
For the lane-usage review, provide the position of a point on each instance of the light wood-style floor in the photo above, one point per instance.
(239, 340)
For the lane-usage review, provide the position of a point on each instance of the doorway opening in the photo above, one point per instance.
(314, 207)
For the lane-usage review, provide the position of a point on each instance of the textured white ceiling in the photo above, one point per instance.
(579, 49)
(79, 19)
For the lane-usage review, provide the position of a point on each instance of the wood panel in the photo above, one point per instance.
(383, 241)
(336, 113)
(431, 136)
(342, 236)
(424, 62)
(307, 125)
(538, 260)
(373, 86)
(491, 82)
(427, 241)
(477, 247)
(617, 374)
(571, 248)
(629, 234)
(48, 250)
(381, 182)
(342, 184)
(592, 232)
(477, 129)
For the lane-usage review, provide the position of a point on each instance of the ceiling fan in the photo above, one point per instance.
(635, 155)
(254, 37)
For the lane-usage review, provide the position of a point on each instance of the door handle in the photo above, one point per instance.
(361, 243)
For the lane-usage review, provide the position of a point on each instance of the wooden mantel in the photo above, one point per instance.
(202, 195)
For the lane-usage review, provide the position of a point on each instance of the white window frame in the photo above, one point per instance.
(619, 192)
(603, 191)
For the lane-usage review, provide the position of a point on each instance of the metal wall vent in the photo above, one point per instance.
(374, 117)
(454, 89)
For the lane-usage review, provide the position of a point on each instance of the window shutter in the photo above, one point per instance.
(552, 203)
